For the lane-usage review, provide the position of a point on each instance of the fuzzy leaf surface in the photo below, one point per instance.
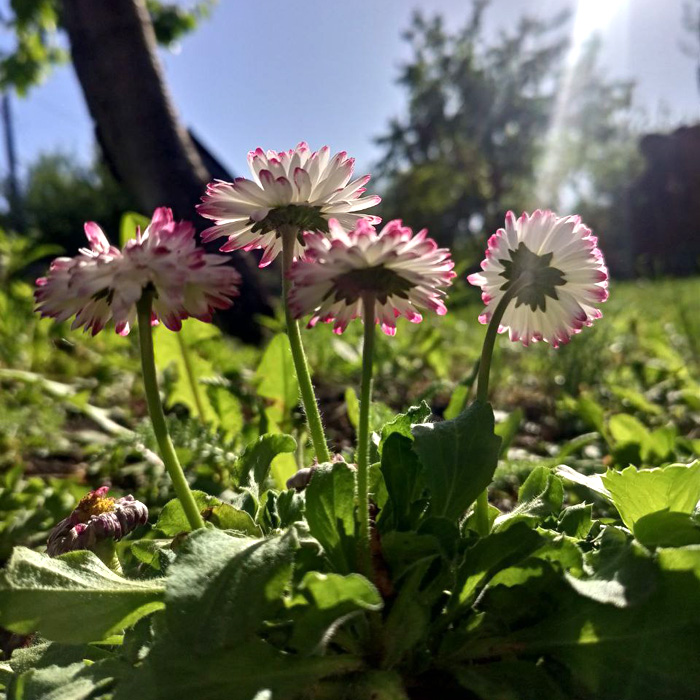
(458, 457)
(73, 598)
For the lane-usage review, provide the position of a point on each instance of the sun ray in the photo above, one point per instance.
(591, 18)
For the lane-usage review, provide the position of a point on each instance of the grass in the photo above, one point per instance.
(72, 407)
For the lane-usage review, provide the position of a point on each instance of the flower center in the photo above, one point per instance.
(538, 279)
(379, 281)
(95, 503)
(303, 217)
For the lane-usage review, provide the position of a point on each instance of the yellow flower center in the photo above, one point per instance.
(93, 504)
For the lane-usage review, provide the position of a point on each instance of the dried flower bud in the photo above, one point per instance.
(300, 480)
(96, 518)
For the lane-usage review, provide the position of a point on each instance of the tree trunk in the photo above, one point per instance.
(113, 47)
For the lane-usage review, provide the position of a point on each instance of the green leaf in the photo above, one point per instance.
(511, 680)
(156, 554)
(540, 496)
(594, 482)
(251, 671)
(377, 487)
(168, 347)
(403, 423)
(576, 521)
(639, 492)
(667, 529)
(45, 654)
(78, 681)
(225, 517)
(627, 429)
(352, 406)
(609, 652)
(172, 519)
(220, 591)
(408, 621)
(402, 477)
(508, 429)
(276, 378)
(458, 458)
(290, 507)
(622, 573)
(591, 413)
(458, 400)
(330, 513)
(228, 410)
(659, 445)
(615, 652)
(73, 598)
(220, 588)
(490, 555)
(379, 685)
(127, 226)
(637, 400)
(253, 466)
(324, 602)
(403, 551)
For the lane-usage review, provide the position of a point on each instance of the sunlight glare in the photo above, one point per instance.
(592, 17)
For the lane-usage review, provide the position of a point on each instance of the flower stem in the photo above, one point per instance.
(191, 377)
(306, 388)
(155, 409)
(107, 552)
(365, 556)
(481, 508)
(482, 387)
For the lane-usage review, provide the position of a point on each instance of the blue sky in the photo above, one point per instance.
(273, 72)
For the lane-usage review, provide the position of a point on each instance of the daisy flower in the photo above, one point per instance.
(104, 283)
(404, 273)
(96, 518)
(297, 188)
(555, 271)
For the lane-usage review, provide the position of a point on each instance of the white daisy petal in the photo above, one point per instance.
(560, 273)
(104, 283)
(308, 189)
(405, 274)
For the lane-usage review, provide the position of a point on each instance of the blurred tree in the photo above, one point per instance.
(691, 24)
(113, 48)
(466, 150)
(590, 155)
(35, 25)
(60, 195)
(506, 124)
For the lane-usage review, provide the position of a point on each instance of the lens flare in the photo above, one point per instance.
(591, 19)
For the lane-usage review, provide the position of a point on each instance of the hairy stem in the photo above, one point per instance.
(482, 387)
(306, 388)
(481, 508)
(365, 556)
(155, 409)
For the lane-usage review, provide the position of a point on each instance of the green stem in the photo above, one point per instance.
(482, 387)
(191, 377)
(481, 508)
(155, 409)
(481, 513)
(363, 436)
(107, 552)
(306, 388)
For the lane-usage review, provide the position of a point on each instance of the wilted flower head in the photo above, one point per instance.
(103, 282)
(298, 187)
(557, 270)
(403, 272)
(96, 518)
